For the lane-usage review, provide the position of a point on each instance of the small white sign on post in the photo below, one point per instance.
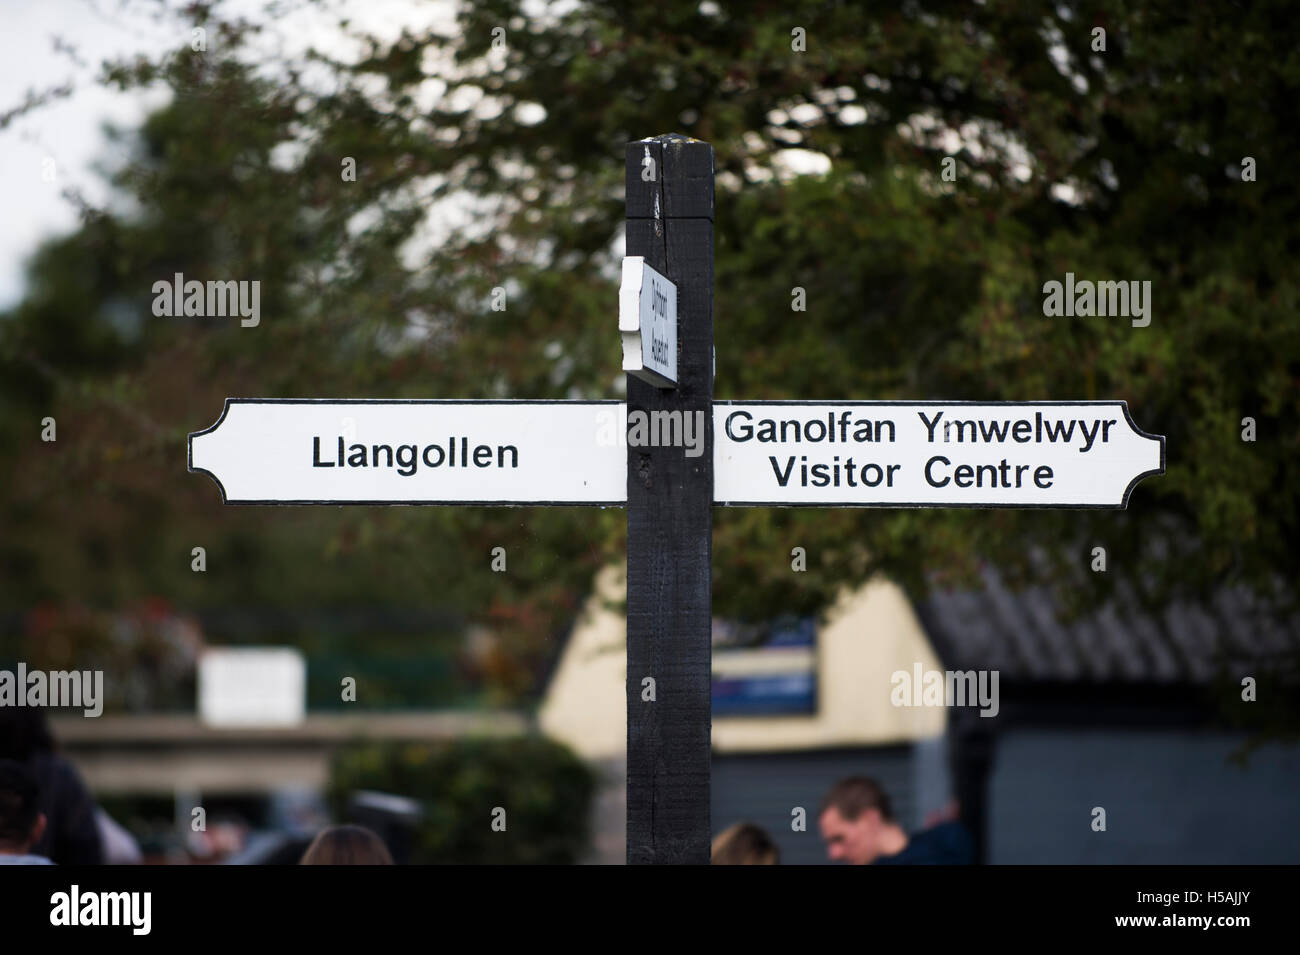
(252, 686)
(647, 320)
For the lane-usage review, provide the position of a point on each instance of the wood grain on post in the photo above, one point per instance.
(669, 520)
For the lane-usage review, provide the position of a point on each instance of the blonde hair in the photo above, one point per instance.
(346, 845)
(745, 844)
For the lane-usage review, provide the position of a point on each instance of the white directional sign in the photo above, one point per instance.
(930, 454)
(647, 320)
(415, 452)
(780, 453)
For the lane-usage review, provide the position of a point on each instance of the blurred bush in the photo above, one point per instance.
(147, 651)
(544, 788)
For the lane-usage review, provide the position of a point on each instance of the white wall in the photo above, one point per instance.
(870, 634)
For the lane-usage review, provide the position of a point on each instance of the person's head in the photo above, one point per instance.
(346, 845)
(857, 820)
(744, 844)
(21, 821)
(24, 732)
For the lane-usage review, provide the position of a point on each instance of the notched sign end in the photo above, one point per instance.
(196, 436)
(1159, 464)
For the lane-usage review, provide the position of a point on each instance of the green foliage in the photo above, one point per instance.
(544, 788)
(1123, 164)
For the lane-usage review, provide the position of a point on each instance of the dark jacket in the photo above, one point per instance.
(946, 844)
(71, 835)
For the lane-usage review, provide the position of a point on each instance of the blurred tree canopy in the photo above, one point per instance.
(1123, 163)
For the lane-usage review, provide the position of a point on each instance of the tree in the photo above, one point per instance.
(1122, 163)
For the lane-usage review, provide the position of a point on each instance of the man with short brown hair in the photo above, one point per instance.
(857, 822)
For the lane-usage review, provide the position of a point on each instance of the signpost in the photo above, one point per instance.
(758, 453)
(766, 453)
(669, 208)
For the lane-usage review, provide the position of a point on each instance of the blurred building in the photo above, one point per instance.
(1123, 709)
(790, 717)
(1118, 710)
(247, 778)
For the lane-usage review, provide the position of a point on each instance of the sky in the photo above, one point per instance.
(60, 145)
(69, 131)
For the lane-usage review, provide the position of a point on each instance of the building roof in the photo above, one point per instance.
(1027, 637)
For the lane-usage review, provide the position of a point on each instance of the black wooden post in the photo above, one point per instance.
(669, 520)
